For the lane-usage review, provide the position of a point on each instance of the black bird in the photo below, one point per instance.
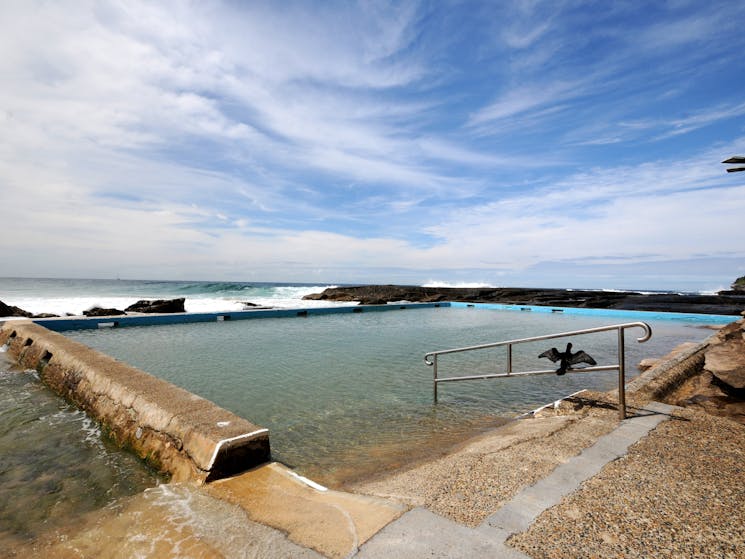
(567, 358)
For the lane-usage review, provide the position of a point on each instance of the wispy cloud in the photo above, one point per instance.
(230, 138)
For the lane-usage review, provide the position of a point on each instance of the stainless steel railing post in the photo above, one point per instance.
(621, 374)
(434, 382)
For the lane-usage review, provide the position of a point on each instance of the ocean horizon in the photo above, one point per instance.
(72, 296)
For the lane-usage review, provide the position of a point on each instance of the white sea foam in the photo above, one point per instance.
(275, 297)
(69, 305)
(434, 283)
(632, 291)
(713, 291)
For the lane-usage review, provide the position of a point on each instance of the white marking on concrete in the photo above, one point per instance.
(308, 482)
(555, 404)
(352, 530)
(220, 444)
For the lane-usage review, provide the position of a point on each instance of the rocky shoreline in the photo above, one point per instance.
(140, 307)
(725, 302)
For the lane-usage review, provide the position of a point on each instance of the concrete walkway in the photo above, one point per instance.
(421, 533)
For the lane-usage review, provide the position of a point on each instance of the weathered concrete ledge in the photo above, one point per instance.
(175, 431)
(666, 376)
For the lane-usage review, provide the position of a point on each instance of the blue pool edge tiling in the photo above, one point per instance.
(617, 313)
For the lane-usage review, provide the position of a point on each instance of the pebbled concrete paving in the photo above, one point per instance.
(517, 515)
(421, 533)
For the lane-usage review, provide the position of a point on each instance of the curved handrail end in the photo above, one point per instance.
(644, 326)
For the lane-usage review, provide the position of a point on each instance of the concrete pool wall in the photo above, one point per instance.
(62, 324)
(173, 430)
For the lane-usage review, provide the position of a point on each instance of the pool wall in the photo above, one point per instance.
(173, 430)
(62, 324)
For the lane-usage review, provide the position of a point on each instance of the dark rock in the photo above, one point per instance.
(254, 306)
(9, 310)
(98, 311)
(158, 306)
(45, 315)
(373, 301)
(669, 302)
(739, 284)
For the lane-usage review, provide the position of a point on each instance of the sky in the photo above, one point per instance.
(525, 143)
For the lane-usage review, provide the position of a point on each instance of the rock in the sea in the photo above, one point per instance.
(248, 306)
(45, 315)
(158, 306)
(372, 301)
(9, 310)
(98, 311)
(647, 363)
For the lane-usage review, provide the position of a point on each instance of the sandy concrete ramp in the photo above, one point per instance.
(333, 523)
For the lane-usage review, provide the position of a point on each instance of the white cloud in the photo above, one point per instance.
(669, 211)
(192, 139)
(521, 100)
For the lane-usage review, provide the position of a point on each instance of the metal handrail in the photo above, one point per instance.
(431, 358)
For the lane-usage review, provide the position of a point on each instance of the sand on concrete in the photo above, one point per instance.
(470, 483)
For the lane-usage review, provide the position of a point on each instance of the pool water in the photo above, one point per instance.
(348, 395)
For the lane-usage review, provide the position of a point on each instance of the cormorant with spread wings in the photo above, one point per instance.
(567, 358)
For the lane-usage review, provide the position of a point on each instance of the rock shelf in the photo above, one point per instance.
(725, 303)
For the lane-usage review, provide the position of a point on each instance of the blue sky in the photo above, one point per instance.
(566, 144)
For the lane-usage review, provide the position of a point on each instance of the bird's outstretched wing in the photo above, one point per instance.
(581, 357)
(553, 354)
